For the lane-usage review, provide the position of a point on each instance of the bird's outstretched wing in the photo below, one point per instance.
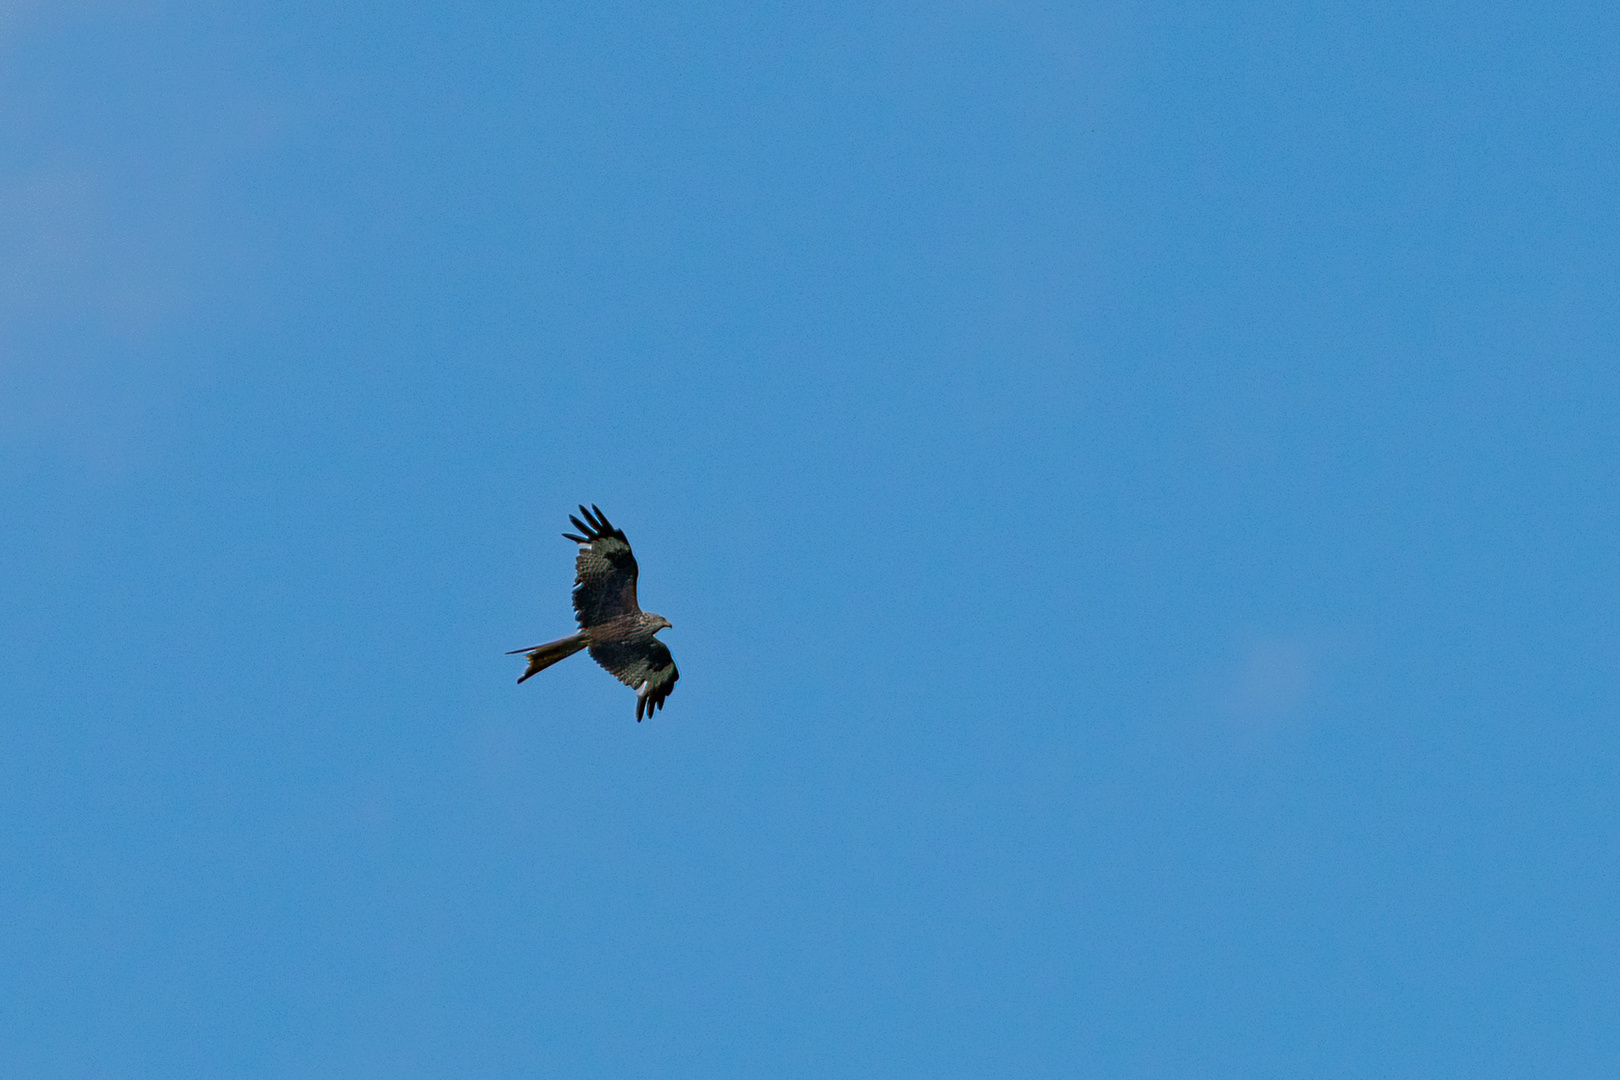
(646, 668)
(604, 572)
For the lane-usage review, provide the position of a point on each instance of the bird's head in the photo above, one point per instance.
(660, 623)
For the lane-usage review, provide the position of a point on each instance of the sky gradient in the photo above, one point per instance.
(1135, 487)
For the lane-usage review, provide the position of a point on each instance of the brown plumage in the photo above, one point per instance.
(611, 624)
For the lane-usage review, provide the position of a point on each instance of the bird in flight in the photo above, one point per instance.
(611, 623)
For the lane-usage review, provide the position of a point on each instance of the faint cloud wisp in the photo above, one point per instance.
(1272, 683)
(82, 288)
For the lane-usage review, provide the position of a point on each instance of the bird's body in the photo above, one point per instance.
(620, 636)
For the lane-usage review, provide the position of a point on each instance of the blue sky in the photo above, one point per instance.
(1134, 486)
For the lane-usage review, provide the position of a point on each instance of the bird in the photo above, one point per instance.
(612, 625)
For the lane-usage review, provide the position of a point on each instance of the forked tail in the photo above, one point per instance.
(543, 656)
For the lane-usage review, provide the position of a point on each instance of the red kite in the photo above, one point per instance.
(611, 623)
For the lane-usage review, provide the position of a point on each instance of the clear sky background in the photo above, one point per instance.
(1135, 486)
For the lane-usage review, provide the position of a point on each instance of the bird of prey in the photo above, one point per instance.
(611, 623)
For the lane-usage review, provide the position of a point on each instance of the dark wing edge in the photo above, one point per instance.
(599, 527)
(660, 682)
(605, 570)
(647, 669)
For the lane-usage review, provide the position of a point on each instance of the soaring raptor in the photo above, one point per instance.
(611, 623)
